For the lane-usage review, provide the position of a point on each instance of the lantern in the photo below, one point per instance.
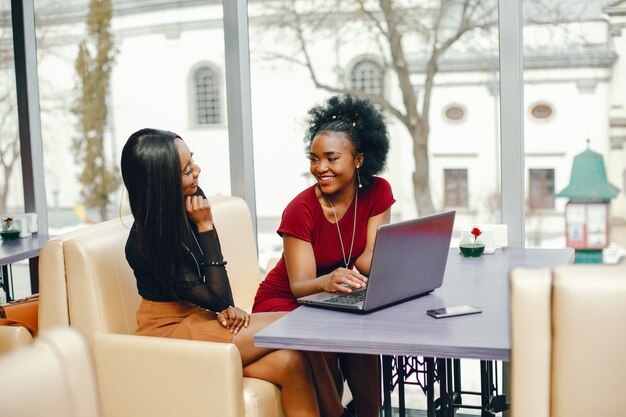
(587, 213)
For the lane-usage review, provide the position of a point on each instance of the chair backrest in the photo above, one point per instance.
(86, 272)
(568, 342)
(101, 287)
(234, 226)
(53, 308)
(53, 377)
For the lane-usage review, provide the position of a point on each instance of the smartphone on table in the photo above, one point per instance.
(440, 313)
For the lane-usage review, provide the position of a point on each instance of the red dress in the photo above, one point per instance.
(304, 219)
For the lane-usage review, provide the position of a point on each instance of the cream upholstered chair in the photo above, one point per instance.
(53, 307)
(12, 337)
(568, 341)
(53, 377)
(86, 273)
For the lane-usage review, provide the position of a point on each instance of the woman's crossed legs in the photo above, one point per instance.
(307, 388)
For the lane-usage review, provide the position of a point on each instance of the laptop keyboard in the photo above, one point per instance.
(355, 297)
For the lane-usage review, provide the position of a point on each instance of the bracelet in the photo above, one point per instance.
(214, 263)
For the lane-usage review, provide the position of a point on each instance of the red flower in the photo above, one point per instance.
(476, 232)
(6, 223)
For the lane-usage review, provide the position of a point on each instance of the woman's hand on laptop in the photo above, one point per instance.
(343, 280)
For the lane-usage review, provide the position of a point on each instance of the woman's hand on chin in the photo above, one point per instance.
(199, 211)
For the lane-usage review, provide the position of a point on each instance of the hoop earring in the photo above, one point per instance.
(358, 177)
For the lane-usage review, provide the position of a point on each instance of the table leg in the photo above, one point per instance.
(430, 387)
(443, 388)
(34, 274)
(387, 383)
(497, 402)
(486, 390)
(506, 385)
(457, 397)
(450, 387)
(5, 282)
(401, 376)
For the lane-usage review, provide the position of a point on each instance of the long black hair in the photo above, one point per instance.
(361, 121)
(151, 173)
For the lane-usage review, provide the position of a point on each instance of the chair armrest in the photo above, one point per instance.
(12, 337)
(159, 377)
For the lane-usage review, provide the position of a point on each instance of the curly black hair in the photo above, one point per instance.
(361, 121)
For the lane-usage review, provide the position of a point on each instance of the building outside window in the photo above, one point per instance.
(207, 91)
(455, 186)
(540, 189)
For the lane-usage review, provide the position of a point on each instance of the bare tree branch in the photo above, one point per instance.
(373, 19)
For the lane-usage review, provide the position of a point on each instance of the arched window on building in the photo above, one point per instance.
(207, 96)
(367, 76)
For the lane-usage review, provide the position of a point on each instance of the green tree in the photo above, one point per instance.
(94, 65)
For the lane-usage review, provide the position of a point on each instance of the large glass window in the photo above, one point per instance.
(153, 51)
(331, 47)
(574, 83)
(11, 191)
(16, 274)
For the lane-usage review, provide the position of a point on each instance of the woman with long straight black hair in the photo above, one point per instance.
(174, 251)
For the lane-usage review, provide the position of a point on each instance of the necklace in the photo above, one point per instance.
(346, 261)
(194, 256)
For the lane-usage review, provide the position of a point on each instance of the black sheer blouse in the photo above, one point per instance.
(202, 279)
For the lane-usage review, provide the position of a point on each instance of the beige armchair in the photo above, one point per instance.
(52, 377)
(85, 281)
(12, 337)
(568, 341)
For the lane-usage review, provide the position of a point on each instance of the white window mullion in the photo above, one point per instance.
(511, 119)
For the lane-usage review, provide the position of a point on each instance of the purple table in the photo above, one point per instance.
(406, 330)
(15, 250)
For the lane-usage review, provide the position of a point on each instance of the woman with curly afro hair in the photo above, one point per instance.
(329, 229)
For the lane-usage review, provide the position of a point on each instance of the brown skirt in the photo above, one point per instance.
(179, 321)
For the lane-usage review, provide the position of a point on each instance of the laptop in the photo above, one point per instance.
(409, 261)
